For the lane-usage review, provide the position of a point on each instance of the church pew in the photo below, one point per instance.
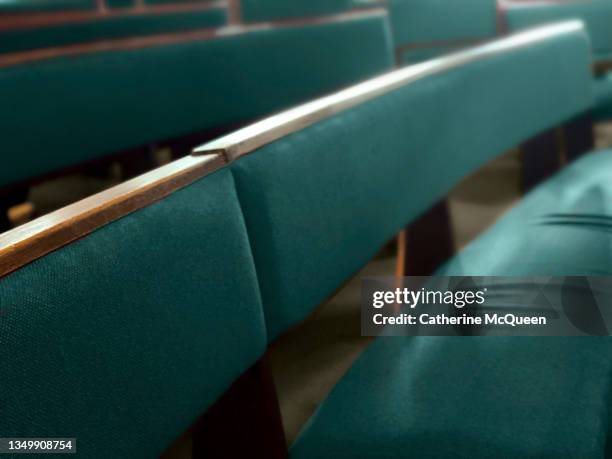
(135, 314)
(37, 33)
(38, 6)
(423, 29)
(381, 139)
(356, 167)
(597, 16)
(270, 10)
(66, 107)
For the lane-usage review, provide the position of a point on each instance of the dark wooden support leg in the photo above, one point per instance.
(8, 200)
(245, 422)
(540, 159)
(137, 162)
(579, 137)
(427, 243)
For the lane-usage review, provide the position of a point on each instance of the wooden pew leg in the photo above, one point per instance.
(540, 159)
(245, 422)
(427, 243)
(8, 200)
(579, 137)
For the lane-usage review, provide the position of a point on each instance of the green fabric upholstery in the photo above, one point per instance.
(602, 89)
(119, 3)
(63, 111)
(476, 398)
(123, 338)
(425, 21)
(41, 6)
(597, 16)
(175, 2)
(269, 10)
(318, 202)
(470, 397)
(531, 240)
(107, 28)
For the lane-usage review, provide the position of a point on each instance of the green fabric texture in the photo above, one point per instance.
(123, 338)
(597, 16)
(602, 90)
(108, 28)
(119, 3)
(546, 234)
(319, 203)
(63, 111)
(471, 397)
(41, 6)
(462, 397)
(269, 10)
(422, 21)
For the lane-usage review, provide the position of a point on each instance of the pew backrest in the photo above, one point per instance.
(61, 111)
(270, 10)
(50, 32)
(423, 29)
(125, 316)
(45, 6)
(597, 16)
(325, 185)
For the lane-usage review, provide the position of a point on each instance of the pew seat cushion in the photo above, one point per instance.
(602, 91)
(562, 228)
(432, 397)
(467, 397)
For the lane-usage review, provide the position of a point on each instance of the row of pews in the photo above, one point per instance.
(299, 148)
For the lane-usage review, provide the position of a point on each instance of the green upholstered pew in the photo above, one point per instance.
(111, 4)
(473, 397)
(597, 16)
(40, 6)
(62, 111)
(270, 10)
(109, 26)
(385, 147)
(128, 315)
(354, 169)
(423, 29)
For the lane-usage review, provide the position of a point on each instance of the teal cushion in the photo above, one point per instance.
(468, 397)
(425, 21)
(546, 234)
(106, 28)
(597, 16)
(318, 202)
(36, 6)
(269, 10)
(119, 3)
(462, 397)
(60, 112)
(602, 89)
(124, 337)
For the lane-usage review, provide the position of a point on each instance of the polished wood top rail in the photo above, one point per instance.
(37, 238)
(250, 138)
(11, 59)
